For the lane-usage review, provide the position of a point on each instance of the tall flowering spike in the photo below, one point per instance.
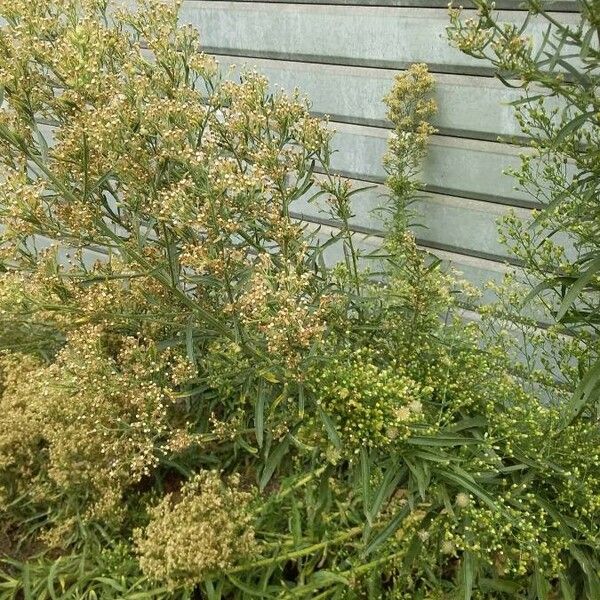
(410, 108)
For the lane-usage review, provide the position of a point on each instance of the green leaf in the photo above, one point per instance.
(246, 446)
(420, 472)
(389, 530)
(112, 583)
(100, 182)
(365, 476)
(332, 434)
(467, 576)
(26, 577)
(360, 190)
(42, 143)
(464, 480)
(189, 344)
(301, 401)
(571, 127)
(387, 487)
(582, 393)
(441, 441)
(269, 376)
(296, 521)
(150, 595)
(211, 592)
(556, 52)
(259, 414)
(542, 587)
(590, 569)
(577, 287)
(468, 423)
(324, 577)
(527, 100)
(547, 284)
(566, 589)
(303, 186)
(414, 548)
(251, 592)
(436, 457)
(499, 585)
(51, 577)
(273, 462)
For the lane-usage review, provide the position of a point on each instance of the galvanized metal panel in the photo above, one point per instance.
(377, 36)
(557, 5)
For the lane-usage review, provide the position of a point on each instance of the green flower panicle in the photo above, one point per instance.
(205, 528)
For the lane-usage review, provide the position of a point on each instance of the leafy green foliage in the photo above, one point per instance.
(205, 409)
(559, 284)
(559, 115)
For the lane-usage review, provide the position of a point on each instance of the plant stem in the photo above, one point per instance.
(355, 531)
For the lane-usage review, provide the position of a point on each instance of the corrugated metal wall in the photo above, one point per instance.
(344, 54)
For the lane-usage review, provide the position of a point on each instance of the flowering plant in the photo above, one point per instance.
(194, 402)
(559, 248)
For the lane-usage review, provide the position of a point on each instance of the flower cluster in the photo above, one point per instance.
(206, 528)
(372, 406)
(511, 49)
(90, 424)
(279, 305)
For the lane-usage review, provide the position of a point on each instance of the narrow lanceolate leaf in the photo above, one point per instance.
(587, 386)
(459, 477)
(273, 462)
(259, 414)
(151, 595)
(248, 590)
(99, 183)
(571, 127)
(212, 593)
(420, 472)
(42, 143)
(301, 401)
(468, 423)
(26, 576)
(542, 587)
(323, 578)
(189, 343)
(547, 284)
(386, 489)
(52, 573)
(442, 440)
(295, 521)
(112, 583)
(365, 476)
(579, 285)
(591, 569)
(467, 575)
(332, 434)
(566, 589)
(504, 586)
(388, 530)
